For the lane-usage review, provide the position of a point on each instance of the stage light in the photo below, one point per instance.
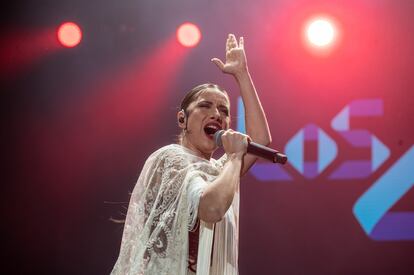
(69, 34)
(320, 32)
(188, 35)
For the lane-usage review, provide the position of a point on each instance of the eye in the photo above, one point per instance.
(225, 111)
(204, 105)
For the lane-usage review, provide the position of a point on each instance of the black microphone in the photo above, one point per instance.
(256, 149)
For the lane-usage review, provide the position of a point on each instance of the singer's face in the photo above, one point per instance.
(208, 113)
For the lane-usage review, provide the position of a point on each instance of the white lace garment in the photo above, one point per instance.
(163, 209)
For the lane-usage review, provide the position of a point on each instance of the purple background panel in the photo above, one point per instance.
(395, 226)
(366, 107)
(311, 132)
(358, 138)
(355, 169)
(310, 169)
(270, 172)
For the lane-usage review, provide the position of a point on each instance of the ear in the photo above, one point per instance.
(181, 119)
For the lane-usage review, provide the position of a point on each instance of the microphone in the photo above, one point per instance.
(256, 149)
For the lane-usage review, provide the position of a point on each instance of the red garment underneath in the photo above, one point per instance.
(193, 247)
(193, 237)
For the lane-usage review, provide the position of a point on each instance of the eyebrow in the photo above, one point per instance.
(220, 105)
(209, 102)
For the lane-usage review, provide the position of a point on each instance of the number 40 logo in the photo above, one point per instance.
(372, 208)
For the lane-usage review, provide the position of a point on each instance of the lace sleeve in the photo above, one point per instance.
(162, 208)
(195, 189)
(221, 161)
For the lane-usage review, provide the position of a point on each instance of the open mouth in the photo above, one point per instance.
(211, 128)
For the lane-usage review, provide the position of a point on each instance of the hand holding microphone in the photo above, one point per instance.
(231, 141)
(230, 138)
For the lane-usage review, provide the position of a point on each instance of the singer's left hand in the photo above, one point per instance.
(236, 62)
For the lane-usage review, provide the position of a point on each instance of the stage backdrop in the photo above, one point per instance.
(80, 122)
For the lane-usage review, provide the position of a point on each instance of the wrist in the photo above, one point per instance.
(242, 74)
(235, 156)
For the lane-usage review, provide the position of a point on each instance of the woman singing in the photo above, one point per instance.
(183, 213)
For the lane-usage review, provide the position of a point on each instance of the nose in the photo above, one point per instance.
(216, 115)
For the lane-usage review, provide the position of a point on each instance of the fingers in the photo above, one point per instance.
(228, 43)
(235, 142)
(246, 139)
(241, 42)
(218, 63)
(231, 42)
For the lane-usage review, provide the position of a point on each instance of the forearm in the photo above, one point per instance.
(218, 195)
(255, 119)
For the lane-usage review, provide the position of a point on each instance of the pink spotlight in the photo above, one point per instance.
(69, 34)
(188, 35)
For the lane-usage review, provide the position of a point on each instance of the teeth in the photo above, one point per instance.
(211, 128)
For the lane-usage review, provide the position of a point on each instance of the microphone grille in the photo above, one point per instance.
(217, 138)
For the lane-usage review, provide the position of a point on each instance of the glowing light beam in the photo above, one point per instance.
(69, 34)
(188, 35)
(320, 32)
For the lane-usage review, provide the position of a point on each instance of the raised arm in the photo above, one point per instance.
(256, 123)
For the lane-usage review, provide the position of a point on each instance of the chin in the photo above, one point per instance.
(209, 147)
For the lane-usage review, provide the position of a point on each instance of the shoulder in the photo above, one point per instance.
(172, 154)
(168, 151)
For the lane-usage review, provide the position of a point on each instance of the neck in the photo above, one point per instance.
(187, 144)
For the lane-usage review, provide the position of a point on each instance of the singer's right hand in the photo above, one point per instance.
(234, 142)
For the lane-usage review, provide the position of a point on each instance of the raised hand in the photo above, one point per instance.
(236, 62)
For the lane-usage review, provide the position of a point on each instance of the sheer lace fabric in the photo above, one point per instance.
(163, 208)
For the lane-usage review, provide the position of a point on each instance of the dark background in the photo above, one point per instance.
(78, 124)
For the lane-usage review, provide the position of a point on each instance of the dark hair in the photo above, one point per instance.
(192, 95)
